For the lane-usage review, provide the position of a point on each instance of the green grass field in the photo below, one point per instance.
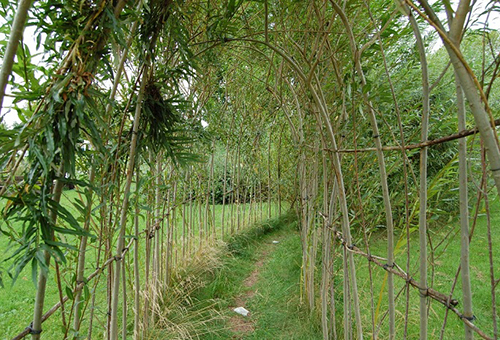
(17, 300)
(444, 260)
(278, 310)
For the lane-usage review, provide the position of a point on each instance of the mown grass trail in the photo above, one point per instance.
(265, 279)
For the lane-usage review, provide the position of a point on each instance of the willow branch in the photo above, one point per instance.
(440, 30)
(10, 52)
(461, 134)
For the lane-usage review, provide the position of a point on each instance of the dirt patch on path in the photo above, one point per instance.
(239, 324)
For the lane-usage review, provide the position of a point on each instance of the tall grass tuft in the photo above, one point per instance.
(179, 314)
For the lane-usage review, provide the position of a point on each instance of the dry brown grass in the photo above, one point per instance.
(177, 314)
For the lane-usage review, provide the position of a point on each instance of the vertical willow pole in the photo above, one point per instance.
(423, 175)
(199, 197)
(124, 304)
(137, 284)
(123, 216)
(250, 208)
(208, 187)
(244, 202)
(80, 276)
(224, 189)
(279, 170)
(191, 224)
(148, 251)
(214, 231)
(464, 213)
(233, 190)
(455, 35)
(261, 201)
(325, 273)
(172, 227)
(184, 218)
(238, 184)
(302, 174)
(269, 176)
(16, 32)
(156, 233)
(331, 255)
(42, 278)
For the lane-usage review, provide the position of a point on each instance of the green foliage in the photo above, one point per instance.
(34, 210)
(160, 127)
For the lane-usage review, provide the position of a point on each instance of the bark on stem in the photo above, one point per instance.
(81, 254)
(157, 224)
(458, 135)
(423, 176)
(123, 216)
(137, 284)
(16, 33)
(464, 213)
(456, 26)
(36, 329)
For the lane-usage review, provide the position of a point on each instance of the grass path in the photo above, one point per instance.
(264, 278)
(241, 325)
